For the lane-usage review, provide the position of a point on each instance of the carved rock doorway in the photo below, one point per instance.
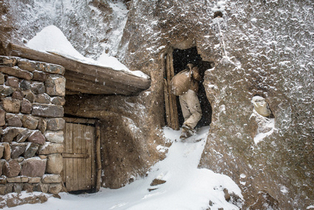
(175, 61)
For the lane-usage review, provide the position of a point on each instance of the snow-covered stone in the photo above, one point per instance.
(29, 122)
(17, 72)
(30, 150)
(13, 120)
(51, 178)
(50, 148)
(55, 136)
(55, 85)
(47, 110)
(17, 149)
(26, 64)
(37, 137)
(55, 124)
(26, 106)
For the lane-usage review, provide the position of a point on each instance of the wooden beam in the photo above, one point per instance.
(85, 87)
(70, 92)
(80, 120)
(100, 84)
(75, 155)
(112, 81)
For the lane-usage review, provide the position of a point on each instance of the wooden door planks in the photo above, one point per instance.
(79, 157)
(170, 99)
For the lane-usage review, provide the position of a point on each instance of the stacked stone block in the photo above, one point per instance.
(31, 110)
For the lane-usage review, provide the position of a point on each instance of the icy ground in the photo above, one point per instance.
(187, 187)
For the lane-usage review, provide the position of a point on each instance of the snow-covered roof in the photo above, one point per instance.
(106, 75)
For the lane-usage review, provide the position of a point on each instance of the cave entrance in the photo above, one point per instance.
(175, 61)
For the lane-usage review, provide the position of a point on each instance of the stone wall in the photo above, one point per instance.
(31, 110)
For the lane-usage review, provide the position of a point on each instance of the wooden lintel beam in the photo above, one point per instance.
(99, 84)
(80, 86)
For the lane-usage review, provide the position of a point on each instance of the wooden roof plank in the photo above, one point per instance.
(100, 82)
(113, 81)
(84, 88)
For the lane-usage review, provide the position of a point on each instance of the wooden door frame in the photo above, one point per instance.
(96, 123)
(171, 107)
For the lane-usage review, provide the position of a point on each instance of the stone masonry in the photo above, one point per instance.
(31, 110)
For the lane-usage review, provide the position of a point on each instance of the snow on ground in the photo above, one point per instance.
(51, 39)
(187, 187)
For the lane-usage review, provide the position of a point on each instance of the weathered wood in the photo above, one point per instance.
(92, 151)
(75, 155)
(70, 92)
(81, 87)
(79, 155)
(173, 98)
(84, 164)
(84, 86)
(75, 173)
(68, 164)
(80, 120)
(167, 105)
(98, 157)
(100, 81)
(172, 102)
(112, 81)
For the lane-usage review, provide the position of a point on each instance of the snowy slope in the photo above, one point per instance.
(186, 187)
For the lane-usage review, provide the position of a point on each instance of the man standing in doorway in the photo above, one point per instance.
(190, 104)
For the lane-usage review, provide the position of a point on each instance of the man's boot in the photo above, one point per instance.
(187, 132)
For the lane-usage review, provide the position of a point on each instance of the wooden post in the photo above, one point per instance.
(98, 157)
(167, 105)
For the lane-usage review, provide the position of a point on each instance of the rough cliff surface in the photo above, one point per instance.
(259, 47)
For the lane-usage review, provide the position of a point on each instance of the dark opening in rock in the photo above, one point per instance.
(218, 14)
(180, 59)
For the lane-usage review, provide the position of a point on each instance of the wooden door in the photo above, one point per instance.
(170, 99)
(79, 173)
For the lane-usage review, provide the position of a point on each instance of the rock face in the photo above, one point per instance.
(259, 48)
(251, 48)
(252, 53)
(82, 22)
